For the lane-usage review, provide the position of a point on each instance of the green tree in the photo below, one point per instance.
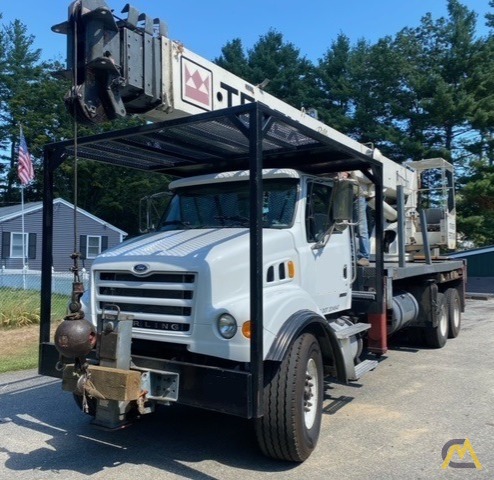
(234, 60)
(443, 55)
(20, 71)
(291, 76)
(113, 193)
(335, 83)
(490, 16)
(475, 204)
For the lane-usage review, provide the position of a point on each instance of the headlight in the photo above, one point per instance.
(227, 325)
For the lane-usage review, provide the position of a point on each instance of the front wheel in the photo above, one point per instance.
(293, 396)
(437, 336)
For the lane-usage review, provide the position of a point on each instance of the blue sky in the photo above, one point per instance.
(205, 26)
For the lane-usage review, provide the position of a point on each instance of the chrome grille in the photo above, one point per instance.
(154, 300)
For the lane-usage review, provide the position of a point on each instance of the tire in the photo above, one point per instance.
(293, 396)
(453, 306)
(436, 337)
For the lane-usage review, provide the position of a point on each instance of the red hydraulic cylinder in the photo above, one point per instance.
(378, 337)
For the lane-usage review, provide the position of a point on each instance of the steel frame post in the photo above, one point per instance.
(425, 237)
(401, 225)
(47, 248)
(256, 273)
(378, 338)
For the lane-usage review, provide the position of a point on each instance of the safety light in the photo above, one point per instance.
(246, 329)
(291, 269)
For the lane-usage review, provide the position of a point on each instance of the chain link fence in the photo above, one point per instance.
(20, 296)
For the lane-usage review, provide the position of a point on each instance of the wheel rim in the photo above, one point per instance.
(456, 315)
(311, 393)
(443, 323)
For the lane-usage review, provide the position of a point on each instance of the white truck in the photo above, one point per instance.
(247, 293)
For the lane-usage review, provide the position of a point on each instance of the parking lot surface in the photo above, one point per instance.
(393, 424)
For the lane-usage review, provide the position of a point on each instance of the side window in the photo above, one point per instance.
(317, 216)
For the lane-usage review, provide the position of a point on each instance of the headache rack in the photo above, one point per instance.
(248, 137)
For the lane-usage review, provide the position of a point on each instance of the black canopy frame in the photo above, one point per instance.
(247, 137)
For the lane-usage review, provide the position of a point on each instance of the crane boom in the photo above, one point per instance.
(131, 66)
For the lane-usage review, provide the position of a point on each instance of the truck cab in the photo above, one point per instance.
(187, 282)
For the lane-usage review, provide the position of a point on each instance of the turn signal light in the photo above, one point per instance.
(246, 329)
(291, 269)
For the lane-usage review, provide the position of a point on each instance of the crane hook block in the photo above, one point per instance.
(114, 64)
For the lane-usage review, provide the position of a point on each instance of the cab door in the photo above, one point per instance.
(326, 251)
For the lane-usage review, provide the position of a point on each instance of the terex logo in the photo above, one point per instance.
(197, 88)
(197, 84)
(234, 97)
(461, 446)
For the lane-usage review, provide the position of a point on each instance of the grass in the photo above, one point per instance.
(21, 308)
(19, 327)
(20, 349)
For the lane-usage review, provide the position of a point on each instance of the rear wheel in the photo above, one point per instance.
(437, 336)
(453, 306)
(293, 396)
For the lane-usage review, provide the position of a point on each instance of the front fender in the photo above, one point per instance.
(282, 303)
(279, 305)
(308, 321)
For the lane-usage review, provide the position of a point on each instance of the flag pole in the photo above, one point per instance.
(23, 229)
(26, 174)
(23, 238)
(23, 241)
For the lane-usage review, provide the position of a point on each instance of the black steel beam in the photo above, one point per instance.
(400, 204)
(256, 270)
(377, 170)
(50, 158)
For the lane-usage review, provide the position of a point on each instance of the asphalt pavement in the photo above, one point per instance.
(397, 422)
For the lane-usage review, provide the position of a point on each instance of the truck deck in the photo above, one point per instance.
(415, 268)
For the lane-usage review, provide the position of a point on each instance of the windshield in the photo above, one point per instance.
(220, 205)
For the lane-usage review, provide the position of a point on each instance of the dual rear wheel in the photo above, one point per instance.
(448, 312)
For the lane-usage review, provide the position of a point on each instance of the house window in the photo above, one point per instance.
(16, 250)
(93, 246)
(12, 245)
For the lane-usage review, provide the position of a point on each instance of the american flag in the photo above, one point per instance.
(25, 167)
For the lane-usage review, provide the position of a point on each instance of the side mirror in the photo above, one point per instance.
(343, 198)
(151, 209)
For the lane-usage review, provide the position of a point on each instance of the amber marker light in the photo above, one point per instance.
(246, 329)
(291, 269)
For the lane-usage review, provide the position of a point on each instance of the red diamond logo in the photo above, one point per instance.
(197, 84)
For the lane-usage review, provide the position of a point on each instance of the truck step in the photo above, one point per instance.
(363, 367)
(351, 330)
(364, 295)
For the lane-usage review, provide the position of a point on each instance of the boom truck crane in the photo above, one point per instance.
(247, 292)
